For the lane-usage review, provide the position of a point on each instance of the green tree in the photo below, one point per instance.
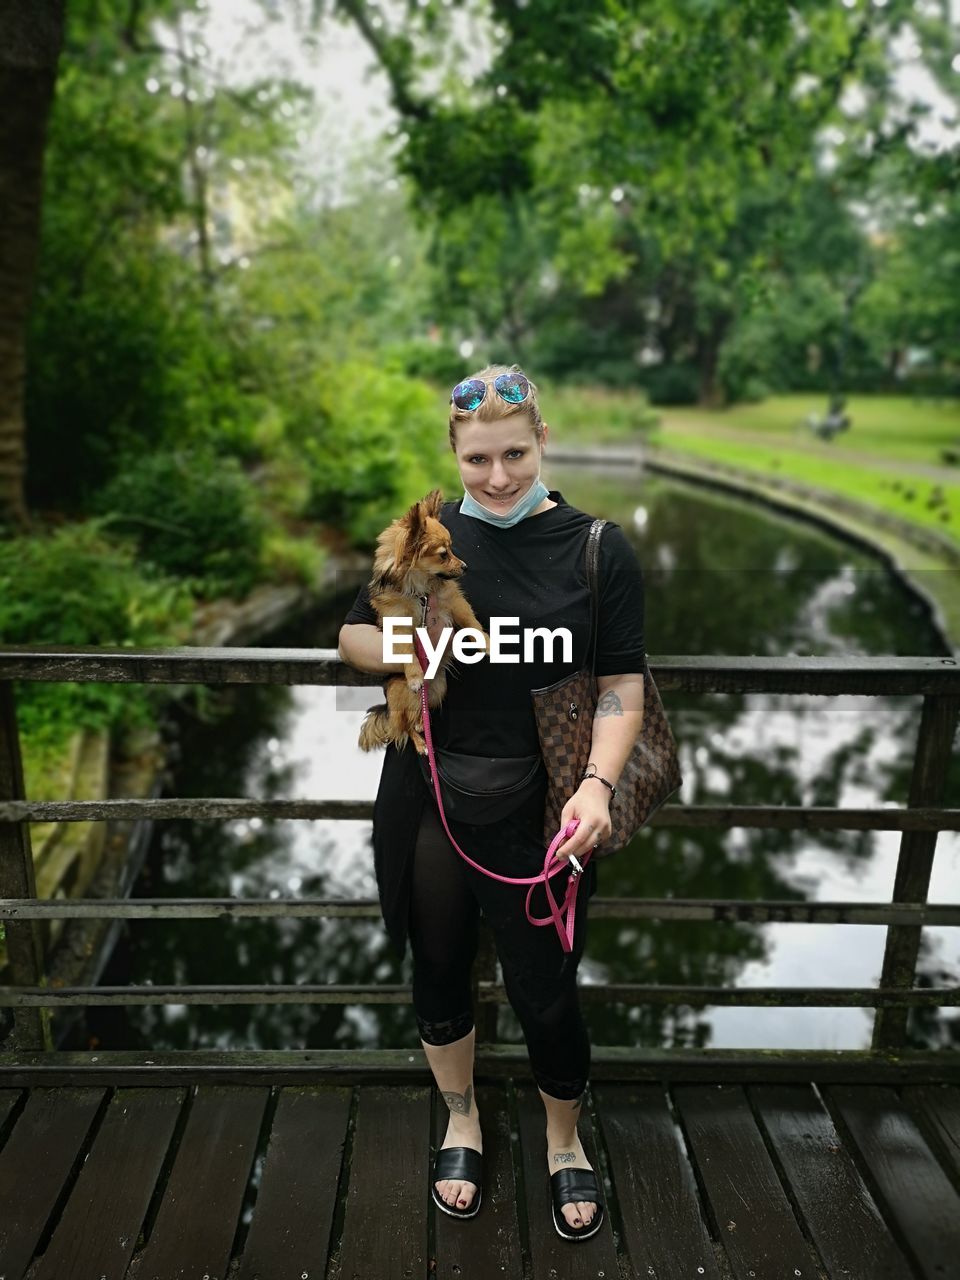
(668, 147)
(131, 340)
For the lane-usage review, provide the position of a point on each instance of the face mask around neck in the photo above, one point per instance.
(506, 519)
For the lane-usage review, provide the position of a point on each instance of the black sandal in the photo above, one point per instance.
(567, 1186)
(465, 1164)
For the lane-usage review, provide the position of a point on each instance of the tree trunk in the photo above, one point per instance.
(710, 394)
(31, 36)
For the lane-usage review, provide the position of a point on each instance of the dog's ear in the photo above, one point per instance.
(412, 528)
(411, 518)
(415, 521)
(433, 502)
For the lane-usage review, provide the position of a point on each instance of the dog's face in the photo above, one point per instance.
(417, 547)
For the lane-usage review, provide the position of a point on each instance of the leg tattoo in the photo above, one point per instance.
(459, 1103)
(564, 1157)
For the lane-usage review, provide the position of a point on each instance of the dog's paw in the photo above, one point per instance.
(415, 683)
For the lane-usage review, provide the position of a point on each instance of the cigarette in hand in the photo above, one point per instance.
(572, 858)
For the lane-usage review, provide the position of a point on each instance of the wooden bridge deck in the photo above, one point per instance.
(319, 1181)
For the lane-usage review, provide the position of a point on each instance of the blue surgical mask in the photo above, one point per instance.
(506, 519)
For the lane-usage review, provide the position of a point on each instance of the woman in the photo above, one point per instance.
(524, 550)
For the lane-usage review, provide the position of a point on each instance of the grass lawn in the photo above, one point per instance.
(854, 480)
(860, 463)
(891, 427)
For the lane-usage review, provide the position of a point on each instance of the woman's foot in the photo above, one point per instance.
(570, 1155)
(461, 1132)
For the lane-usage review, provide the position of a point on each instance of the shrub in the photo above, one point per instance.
(193, 514)
(432, 361)
(289, 559)
(753, 391)
(373, 443)
(74, 587)
(673, 384)
(599, 412)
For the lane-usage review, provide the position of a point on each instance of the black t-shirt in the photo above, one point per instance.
(534, 571)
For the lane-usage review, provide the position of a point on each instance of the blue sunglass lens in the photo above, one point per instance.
(469, 394)
(512, 387)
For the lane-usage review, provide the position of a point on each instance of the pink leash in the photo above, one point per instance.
(565, 930)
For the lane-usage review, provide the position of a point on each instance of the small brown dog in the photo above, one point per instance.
(414, 558)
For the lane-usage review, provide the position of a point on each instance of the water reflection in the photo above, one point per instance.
(720, 578)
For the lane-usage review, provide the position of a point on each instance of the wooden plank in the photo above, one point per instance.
(197, 1218)
(753, 1217)
(385, 1218)
(290, 1233)
(36, 1164)
(489, 1244)
(629, 993)
(183, 664)
(915, 1194)
(494, 1062)
(839, 1213)
(937, 1111)
(231, 664)
(8, 1100)
(725, 910)
(549, 1254)
(656, 1192)
(98, 1229)
(928, 784)
(932, 817)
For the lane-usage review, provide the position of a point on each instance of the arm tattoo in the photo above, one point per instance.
(609, 704)
(459, 1103)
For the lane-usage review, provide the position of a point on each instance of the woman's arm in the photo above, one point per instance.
(361, 643)
(361, 646)
(616, 726)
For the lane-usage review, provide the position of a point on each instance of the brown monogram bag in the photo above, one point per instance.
(565, 712)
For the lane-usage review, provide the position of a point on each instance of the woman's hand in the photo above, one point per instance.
(591, 804)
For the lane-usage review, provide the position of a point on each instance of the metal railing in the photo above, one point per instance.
(936, 680)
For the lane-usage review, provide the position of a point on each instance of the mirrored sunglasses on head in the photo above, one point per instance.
(469, 394)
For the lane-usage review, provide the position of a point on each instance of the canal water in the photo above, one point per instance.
(721, 577)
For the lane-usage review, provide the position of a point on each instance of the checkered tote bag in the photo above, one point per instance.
(565, 712)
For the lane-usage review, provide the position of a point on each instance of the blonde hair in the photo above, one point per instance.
(493, 408)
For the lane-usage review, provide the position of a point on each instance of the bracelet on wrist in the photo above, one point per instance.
(609, 785)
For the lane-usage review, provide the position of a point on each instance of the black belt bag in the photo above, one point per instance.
(483, 789)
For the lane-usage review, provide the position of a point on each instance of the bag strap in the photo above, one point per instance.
(593, 561)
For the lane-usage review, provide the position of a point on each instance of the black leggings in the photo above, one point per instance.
(539, 976)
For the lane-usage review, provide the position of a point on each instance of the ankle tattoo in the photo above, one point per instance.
(564, 1157)
(459, 1103)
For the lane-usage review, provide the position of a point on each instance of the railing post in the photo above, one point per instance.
(31, 1025)
(931, 762)
(485, 970)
